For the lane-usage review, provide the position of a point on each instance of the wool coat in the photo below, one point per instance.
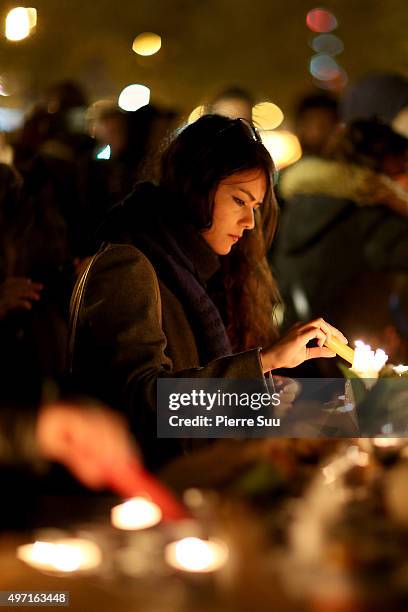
(131, 330)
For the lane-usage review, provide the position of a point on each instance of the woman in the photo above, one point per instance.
(144, 310)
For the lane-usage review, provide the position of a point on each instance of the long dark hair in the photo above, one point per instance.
(196, 161)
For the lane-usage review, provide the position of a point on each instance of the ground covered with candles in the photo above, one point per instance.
(293, 524)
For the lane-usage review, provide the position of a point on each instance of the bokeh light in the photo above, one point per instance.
(283, 146)
(327, 43)
(134, 97)
(19, 23)
(194, 555)
(104, 153)
(198, 112)
(336, 84)
(324, 67)
(321, 20)
(147, 43)
(267, 116)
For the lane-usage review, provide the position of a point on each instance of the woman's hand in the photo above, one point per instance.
(292, 350)
(93, 443)
(17, 293)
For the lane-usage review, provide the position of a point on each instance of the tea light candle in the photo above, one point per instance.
(64, 555)
(196, 555)
(136, 513)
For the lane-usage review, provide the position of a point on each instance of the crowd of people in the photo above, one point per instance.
(176, 258)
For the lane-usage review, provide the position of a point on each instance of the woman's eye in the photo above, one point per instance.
(238, 201)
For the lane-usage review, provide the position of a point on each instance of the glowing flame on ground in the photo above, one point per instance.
(195, 555)
(136, 513)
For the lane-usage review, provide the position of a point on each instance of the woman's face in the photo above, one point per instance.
(236, 199)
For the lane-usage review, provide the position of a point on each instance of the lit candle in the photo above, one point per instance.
(133, 481)
(64, 555)
(136, 513)
(195, 555)
(342, 349)
(400, 369)
(367, 363)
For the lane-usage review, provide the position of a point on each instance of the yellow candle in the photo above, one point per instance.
(343, 350)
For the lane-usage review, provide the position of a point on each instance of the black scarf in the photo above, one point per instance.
(182, 259)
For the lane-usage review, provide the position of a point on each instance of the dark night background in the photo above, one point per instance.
(206, 45)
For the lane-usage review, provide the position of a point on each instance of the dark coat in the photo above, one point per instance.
(132, 330)
(327, 248)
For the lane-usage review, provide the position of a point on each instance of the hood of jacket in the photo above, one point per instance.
(320, 194)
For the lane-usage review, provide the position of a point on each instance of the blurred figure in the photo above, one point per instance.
(234, 102)
(381, 96)
(36, 276)
(343, 234)
(90, 440)
(316, 119)
(55, 127)
(131, 141)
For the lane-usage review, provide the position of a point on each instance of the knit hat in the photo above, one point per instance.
(375, 96)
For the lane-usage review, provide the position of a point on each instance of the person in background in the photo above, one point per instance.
(342, 243)
(233, 102)
(36, 278)
(89, 440)
(381, 96)
(315, 122)
(124, 152)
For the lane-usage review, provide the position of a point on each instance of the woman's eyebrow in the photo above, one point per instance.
(248, 193)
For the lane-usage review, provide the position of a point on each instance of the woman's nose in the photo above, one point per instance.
(249, 219)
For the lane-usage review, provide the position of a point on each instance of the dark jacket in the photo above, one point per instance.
(327, 246)
(132, 329)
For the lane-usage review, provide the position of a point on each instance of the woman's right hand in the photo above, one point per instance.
(17, 293)
(291, 350)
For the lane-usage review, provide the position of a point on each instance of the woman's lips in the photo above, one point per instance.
(234, 237)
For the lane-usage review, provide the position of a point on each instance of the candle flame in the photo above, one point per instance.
(195, 555)
(65, 555)
(136, 513)
(367, 362)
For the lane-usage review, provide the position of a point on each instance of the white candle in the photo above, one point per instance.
(400, 369)
(367, 363)
(196, 555)
(64, 555)
(136, 513)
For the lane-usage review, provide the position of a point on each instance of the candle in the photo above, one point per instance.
(343, 350)
(367, 363)
(64, 555)
(196, 555)
(400, 369)
(133, 481)
(136, 513)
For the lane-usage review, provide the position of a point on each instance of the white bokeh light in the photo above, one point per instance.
(134, 97)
